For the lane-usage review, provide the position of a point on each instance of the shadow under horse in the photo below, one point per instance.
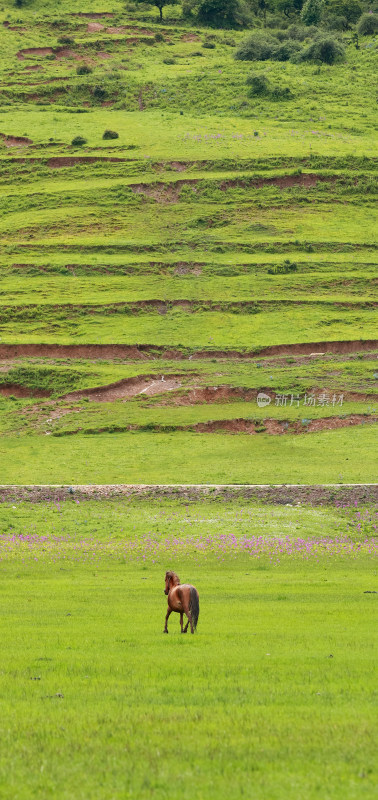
(182, 598)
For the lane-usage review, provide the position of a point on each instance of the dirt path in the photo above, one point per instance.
(281, 494)
(148, 385)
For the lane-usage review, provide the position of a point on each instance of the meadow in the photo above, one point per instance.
(275, 695)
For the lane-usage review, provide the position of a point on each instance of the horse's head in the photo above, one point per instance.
(171, 579)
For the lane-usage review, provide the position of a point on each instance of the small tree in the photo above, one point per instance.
(311, 12)
(223, 13)
(350, 9)
(159, 4)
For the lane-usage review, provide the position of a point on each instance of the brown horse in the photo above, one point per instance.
(182, 598)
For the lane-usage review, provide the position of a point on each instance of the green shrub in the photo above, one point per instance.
(159, 37)
(78, 141)
(281, 93)
(259, 84)
(368, 24)
(65, 40)
(83, 69)
(169, 61)
(257, 47)
(285, 51)
(283, 269)
(99, 93)
(325, 49)
(110, 135)
(263, 46)
(209, 45)
(301, 32)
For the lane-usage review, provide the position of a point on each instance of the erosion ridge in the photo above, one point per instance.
(144, 351)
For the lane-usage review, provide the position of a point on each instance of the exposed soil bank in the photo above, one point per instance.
(16, 390)
(318, 495)
(200, 395)
(135, 352)
(170, 191)
(272, 427)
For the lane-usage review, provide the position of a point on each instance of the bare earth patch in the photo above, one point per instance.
(93, 27)
(15, 141)
(130, 387)
(34, 51)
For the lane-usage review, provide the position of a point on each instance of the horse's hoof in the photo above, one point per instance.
(165, 631)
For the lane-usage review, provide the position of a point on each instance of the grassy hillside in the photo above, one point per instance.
(216, 226)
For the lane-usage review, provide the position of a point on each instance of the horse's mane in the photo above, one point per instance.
(171, 574)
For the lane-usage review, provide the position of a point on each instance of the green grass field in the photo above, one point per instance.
(273, 697)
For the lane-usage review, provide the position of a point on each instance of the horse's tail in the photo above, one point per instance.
(194, 606)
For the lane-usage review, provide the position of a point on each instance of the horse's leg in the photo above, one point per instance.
(166, 620)
(185, 602)
(186, 627)
(181, 622)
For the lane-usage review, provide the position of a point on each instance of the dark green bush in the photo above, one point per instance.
(66, 40)
(285, 51)
(259, 84)
(209, 45)
(263, 46)
(281, 93)
(283, 269)
(301, 32)
(368, 24)
(325, 49)
(78, 141)
(257, 47)
(159, 37)
(110, 135)
(169, 61)
(83, 69)
(99, 93)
